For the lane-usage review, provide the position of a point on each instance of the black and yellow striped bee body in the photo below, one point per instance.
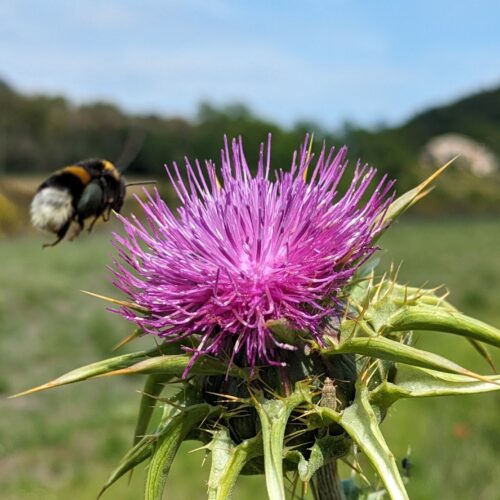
(87, 189)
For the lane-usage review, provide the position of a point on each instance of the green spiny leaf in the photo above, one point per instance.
(141, 451)
(176, 365)
(167, 446)
(273, 415)
(152, 389)
(228, 461)
(360, 422)
(483, 352)
(99, 368)
(413, 382)
(376, 303)
(408, 199)
(221, 447)
(323, 451)
(439, 320)
(273, 418)
(383, 348)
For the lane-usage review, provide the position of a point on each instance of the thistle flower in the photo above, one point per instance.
(248, 249)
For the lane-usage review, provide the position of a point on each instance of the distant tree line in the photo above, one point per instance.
(39, 133)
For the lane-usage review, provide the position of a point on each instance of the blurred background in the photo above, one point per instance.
(406, 86)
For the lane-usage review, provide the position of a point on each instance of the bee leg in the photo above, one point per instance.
(53, 244)
(106, 215)
(60, 235)
(78, 229)
(94, 220)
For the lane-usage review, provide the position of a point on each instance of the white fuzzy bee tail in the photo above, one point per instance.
(51, 208)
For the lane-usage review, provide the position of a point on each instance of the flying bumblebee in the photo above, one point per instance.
(88, 189)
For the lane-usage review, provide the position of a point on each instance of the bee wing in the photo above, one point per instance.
(132, 147)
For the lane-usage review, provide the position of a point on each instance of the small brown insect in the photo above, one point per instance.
(328, 395)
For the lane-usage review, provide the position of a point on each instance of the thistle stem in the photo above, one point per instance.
(326, 483)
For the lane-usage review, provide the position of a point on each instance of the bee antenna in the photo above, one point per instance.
(140, 183)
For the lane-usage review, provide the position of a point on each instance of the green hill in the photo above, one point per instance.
(477, 116)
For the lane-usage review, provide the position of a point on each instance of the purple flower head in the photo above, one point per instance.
(245, 249)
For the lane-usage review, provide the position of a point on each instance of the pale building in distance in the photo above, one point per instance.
(474, 156)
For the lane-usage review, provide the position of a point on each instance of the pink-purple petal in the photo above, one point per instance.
(245, 249)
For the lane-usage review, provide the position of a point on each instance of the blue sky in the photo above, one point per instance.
(331, 61)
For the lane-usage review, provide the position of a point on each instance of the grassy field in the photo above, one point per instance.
(63, 443)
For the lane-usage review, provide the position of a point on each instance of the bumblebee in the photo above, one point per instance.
(88, 189)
